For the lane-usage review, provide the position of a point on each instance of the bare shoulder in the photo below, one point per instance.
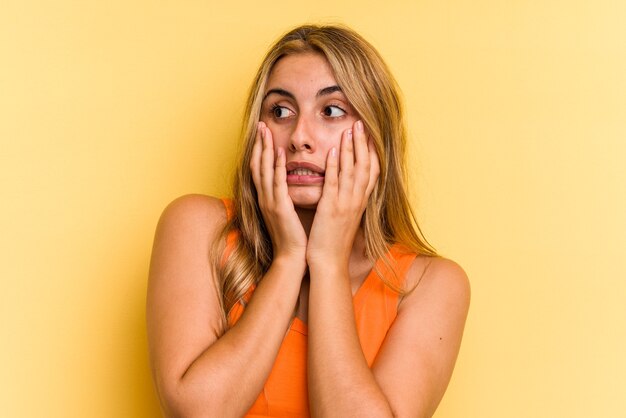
(184, 237)
(181, 261)
(416, 361)
(200, 212)
(440, 279)
(182, 300)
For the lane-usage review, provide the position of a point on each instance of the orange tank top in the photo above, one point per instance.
(285, 392)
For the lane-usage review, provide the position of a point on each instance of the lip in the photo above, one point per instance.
(308, 180)
(292, 165)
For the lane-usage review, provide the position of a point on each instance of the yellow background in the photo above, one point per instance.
(517, 109)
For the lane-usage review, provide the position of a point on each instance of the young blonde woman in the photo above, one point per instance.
(311, 292)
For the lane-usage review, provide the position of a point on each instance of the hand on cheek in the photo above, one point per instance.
(350, 178)
(270, 179)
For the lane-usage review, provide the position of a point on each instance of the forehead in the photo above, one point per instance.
(301, 71)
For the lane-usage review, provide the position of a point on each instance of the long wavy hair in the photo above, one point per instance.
(372, 91)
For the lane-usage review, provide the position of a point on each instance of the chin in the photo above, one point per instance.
(305, 197)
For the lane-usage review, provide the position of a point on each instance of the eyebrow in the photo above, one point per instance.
(282, 92)
(328, 90)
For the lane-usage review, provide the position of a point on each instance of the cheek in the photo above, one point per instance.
(331, 137)
(280, 135)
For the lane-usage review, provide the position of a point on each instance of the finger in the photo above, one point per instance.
(360, 144)
(362, 159)
(280, 176)
(267, 162)
(374, 170)
(255, 159)
(346, 161)
(331, 179)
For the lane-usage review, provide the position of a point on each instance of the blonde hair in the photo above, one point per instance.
(370, 88)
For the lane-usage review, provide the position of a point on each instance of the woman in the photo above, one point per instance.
(312, 292)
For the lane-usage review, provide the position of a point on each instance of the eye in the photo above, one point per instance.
(334, 111)
(281, 112)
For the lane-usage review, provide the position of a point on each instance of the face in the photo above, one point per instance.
(307, 113)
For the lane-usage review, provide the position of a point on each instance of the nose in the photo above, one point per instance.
(302, 137)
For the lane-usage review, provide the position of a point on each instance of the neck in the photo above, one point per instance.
(306, 218)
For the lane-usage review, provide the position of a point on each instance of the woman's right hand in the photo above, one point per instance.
(270, 179)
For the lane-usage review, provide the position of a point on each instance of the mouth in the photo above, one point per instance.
(303, 173)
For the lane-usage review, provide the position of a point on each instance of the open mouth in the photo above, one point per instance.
(304, 172)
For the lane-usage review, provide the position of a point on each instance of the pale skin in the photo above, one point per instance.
(318, 265)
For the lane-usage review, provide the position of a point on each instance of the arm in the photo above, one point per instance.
(340, 381)
(197, 372)
(414, 365)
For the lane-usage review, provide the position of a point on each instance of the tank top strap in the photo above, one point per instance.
(393, 269)
(403, 258)
(228, 204)
(231, 239)
(376, 304)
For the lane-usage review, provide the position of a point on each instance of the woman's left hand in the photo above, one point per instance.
(349, 180)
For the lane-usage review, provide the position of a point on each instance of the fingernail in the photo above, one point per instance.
(333, 152)
(359, 126)
(349, 133)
